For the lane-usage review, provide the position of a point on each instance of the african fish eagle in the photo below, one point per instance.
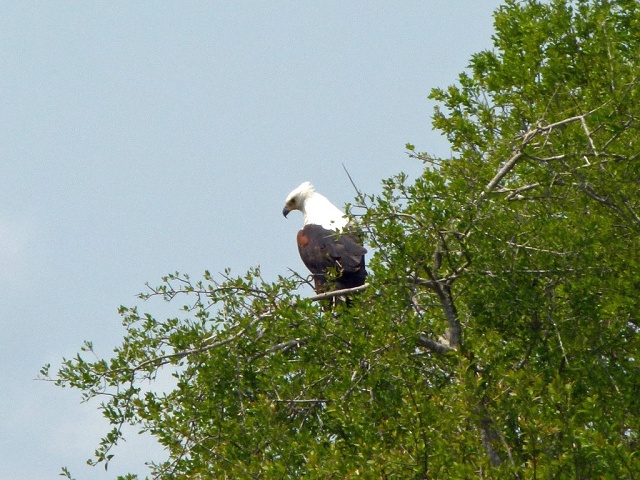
(325, 242)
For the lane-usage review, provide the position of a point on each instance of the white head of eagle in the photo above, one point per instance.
(324, 242)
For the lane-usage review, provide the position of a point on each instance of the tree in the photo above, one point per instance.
(499, 334)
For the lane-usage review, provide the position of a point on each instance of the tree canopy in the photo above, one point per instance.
(498, 336)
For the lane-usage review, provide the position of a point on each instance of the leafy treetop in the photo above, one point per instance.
(499, 334)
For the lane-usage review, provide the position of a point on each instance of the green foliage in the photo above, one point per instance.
(499, 334)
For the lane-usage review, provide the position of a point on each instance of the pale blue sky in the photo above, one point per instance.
(140, 138)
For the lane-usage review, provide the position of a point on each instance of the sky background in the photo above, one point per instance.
(142, 138)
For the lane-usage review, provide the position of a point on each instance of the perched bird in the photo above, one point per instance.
(325, 242)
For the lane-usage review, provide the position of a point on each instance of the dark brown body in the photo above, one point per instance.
(322, 250)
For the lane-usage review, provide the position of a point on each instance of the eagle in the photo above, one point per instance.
(326, 244)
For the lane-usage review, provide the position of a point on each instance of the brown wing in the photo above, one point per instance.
(322, 249)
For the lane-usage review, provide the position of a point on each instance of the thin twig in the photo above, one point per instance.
(161, 360)
(310, 400)
(283, 347)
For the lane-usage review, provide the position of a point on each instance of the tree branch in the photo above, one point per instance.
(163, 359)
(506, 168)
(284, 346)
(590, 192)
(443, 290)
(434, 346)
(338, 293)
(526, 139)
(488, 437)
(310, 400)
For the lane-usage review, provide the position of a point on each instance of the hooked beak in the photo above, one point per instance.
(285, 212)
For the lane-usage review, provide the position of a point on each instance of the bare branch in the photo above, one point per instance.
(506, 168)
(526, 139)
(437, 257)
(489, 437)
(588, 133)
(310, 400)
(516, 191)
(588, 189)
(534, 249)
(547, 159)
(338, 293)
(434, 346)
(490, 273)
(420, 281)
(353, 184)
(443, 290)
